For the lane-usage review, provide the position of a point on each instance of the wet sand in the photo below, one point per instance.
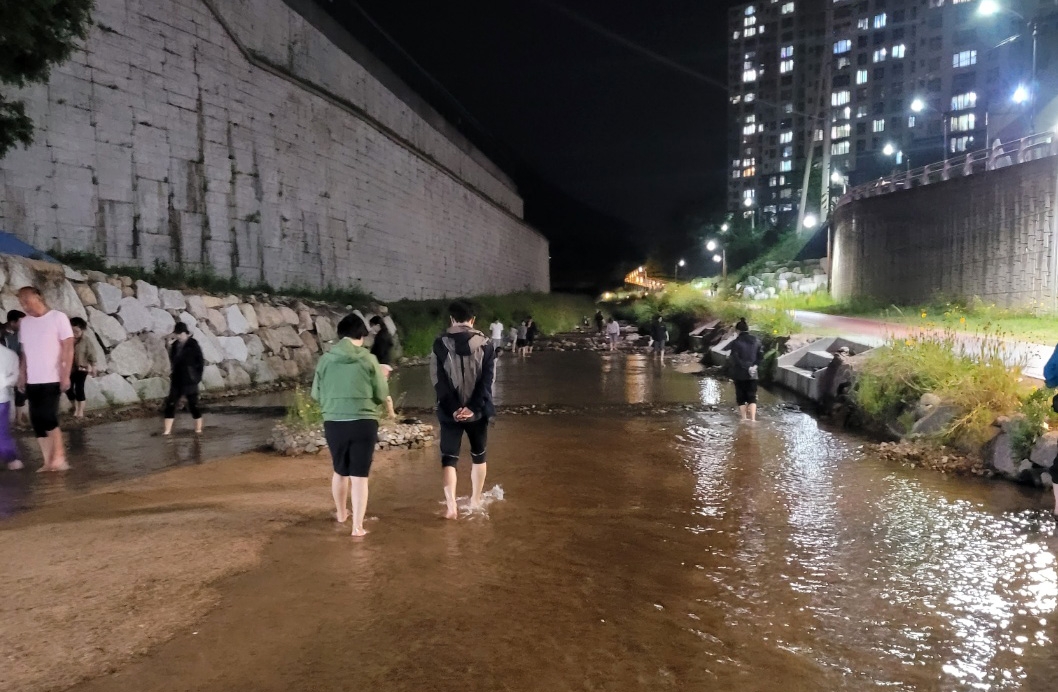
(681, 551)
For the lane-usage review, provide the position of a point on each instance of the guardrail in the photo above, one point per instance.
(1001, 155)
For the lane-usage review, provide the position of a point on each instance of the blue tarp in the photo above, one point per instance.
(10, 245)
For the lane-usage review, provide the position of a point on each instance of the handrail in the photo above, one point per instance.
(1000, 155)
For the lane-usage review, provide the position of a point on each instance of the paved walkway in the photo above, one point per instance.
(875, 333)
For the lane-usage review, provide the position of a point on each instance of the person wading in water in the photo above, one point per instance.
(746, 356)
(186, 364)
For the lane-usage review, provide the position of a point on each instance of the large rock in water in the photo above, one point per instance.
(148, 294)
(1045, 450)
(152, 388)
(936, 422)
(93, 395)
(999, 455)
(130, 359)
(107, 328)
(134, 316)
(237, 323)
(108, 297)
(116, 390)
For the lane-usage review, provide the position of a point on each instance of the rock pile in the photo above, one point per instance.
(294, 441)
(246, 340)
(1037, 469)
(805, 277)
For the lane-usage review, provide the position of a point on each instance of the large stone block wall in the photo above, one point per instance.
(991, 235)
(234, 135)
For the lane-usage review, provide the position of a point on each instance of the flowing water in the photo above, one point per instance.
(679, 551)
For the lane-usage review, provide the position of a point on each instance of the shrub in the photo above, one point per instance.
(304, 413)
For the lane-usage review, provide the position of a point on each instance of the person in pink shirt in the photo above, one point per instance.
(47, 359)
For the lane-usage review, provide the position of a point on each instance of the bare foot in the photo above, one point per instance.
(60, 465)
(342, 519)
(452, 513)
(15, 465)
(359, 533)
(44, 469)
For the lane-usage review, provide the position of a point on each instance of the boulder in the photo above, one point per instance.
(97, 349)
(94, 276)
(237, 323)
(936, 422)
(72, 274)
(216, 321)
(93, 395)
(152, 388)
(283, 368)
(107, 329)
(234, 348)
(310, 342)
(212, 378)
(1045, 450)
(254, 345)
(86, 295)
(289, 316)
(188, 319)
(391, 326)
(63, 297)
(276, 338)
(236, 377)
(999, 456)
(130, 359)
(108, 297)
(10, 302)
(158, 352)
(230, 300)
(211, 349)
(116, 390)
(304, 359)
(268, 316)
(134, 316)
(172, 300)
(197, 307)
(212, 302)
(127, 292)
(19, 274)
(162, 322)
(325, 329)
(926, 403)
(250, 315)
(148, 294)
(259, 371)
(304, 320)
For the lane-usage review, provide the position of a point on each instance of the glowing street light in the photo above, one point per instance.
(811, 220)
(724, 228)
(676, 272)
(889, 149)
(717, 258)
(918, 105)
(748, 202)
(988, 8)
(837, 178)
(711, 245)
(1021, 94)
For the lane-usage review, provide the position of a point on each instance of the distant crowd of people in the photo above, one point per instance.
(519, 339)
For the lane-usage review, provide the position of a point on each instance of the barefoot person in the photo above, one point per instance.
(382, 349)
(186, 365)
(9, 371)
(462, 367)
(746, 356)
(351, 388)
(84, 365)
(10, 339)
(47, 359)
(613, 333)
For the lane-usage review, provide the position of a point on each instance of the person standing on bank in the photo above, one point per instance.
(660, 335)
(10, 339)
(746, 354)
(382, 350)
(613, 333)
(47, 360)
(351, 388)
(462, 368)
(531, 331)
(186, 365)
(84, 365)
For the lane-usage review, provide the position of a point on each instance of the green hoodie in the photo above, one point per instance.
(349, 383)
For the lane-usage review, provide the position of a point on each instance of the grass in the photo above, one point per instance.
(978, 382)
(304, 413)
(420, 321)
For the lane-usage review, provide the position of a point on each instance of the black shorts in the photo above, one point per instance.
(745, 392)
(76, 390)
(43, 407)
(20, 399)
(521, 343)
(452, 439)
(352, 444)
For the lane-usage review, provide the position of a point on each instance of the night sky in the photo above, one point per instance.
(570, 112)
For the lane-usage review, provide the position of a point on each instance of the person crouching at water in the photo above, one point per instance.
(746, 356)
(84, 365)
(186, 363)
(351, 389)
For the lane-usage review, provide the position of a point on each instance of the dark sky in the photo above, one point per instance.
(614, 129)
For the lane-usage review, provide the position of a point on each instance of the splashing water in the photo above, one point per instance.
(487, 498)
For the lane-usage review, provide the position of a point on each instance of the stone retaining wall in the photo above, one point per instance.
(246, 340)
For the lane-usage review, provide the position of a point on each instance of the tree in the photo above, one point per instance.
(35, 35)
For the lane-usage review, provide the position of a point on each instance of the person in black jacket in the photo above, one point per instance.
(462, 368)
(745, 359)
(186, 363)
(382, 349)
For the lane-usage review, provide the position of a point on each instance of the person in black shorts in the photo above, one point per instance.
(186, 365)
(745, 359)
(462, 368)
(531, 331)
(84, 364)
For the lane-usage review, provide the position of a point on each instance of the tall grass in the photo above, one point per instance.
(303, 412)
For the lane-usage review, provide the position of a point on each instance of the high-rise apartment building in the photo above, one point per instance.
(904, 83)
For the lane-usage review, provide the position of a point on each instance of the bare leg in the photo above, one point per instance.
(477, 479)
(752, 411)
(742, 411)
(58, 451)
(340, 492)
(358, 489)
(45, 453)
(1055, 489)
(168, 429)
(198, 426)
(450, 492)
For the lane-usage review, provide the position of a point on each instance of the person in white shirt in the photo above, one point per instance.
(613, 333)
(9, 371)
(497, 335)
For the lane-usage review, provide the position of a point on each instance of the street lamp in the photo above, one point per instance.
(990, 8)
(839, 178)
(711, 245)
(890, 149)
(724, 228)
(676, 272)
(919, 105)
(748, 203)
(811, 220)
(719, 257)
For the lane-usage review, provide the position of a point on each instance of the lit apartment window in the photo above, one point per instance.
(786, 52)
(880, 21)
(910, 121)
(840, 148)
(749, 21)
(749, 76)
(878, 125)
(963, 123)
(840, 98)
(749, 129)
(964, 58)
(863, 24)
(751, 97)
(786, 66)
(786, 137)
(960, 144)
(787, 152)
(748, 194)
(861, 76)
(773, 181)
(840, 131)
(751, 118)
(817, 136)
(749, 172)
(961, 102)
(843, 62)
(880, 55)
(843, 46)
(861, 111)
(751, 32)
(786, 166)
(787, 108)
(737, 98)
(899, 51)
(749, 162)
(786, 194)
(787, 8)
(750, 10)
(735, 36)
(736, 174)
(782, 180)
